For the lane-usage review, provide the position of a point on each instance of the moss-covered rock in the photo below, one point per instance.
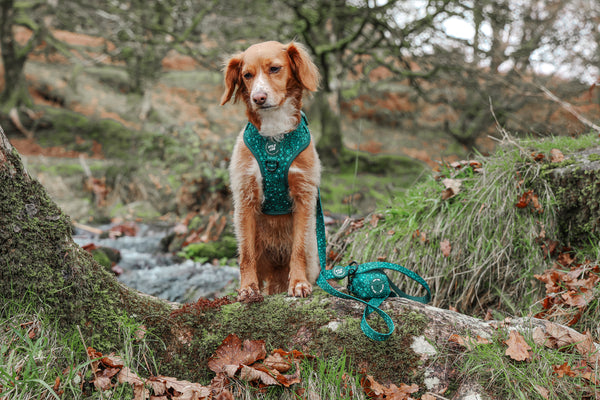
(320, 325)
(576, 186)
(226, 247)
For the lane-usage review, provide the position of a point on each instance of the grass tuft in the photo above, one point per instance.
(537, 378)
(495, 246)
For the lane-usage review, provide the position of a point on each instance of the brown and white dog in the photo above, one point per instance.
(276, 252)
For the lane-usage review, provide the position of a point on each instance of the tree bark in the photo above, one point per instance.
(13, 58)
(41, 266)
(330, 145)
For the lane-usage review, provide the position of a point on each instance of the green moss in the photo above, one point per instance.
(594, 157)
(389, 361)
(101, 258)
(226, 247)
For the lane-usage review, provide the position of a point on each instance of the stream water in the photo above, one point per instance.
(149, 270)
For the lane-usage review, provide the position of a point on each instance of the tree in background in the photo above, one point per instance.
(346, 38)
(14, 55)
(496, 67)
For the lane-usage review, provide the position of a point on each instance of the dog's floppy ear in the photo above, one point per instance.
(233, 72)
(303, 68)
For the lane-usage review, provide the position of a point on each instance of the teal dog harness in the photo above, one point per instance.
(367, 283)
(274, 158)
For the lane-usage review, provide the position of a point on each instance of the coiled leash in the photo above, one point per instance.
(367, 283)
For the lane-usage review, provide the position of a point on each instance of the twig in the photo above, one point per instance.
(505, 135)
(88, 356)
(569, 107)
(87, 228)
(85, 167)
(13, 114)
(437, 396)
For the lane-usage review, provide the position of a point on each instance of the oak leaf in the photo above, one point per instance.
(231, 354)
(376, 391)
(518, 349)
(564, 369)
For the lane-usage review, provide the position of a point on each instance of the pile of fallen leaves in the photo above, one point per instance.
(233, 361)
(569, 289)
(553, 336)
(247, 361)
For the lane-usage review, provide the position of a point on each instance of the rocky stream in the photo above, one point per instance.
(146, 267)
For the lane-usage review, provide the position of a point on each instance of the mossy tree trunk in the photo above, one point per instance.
(330, 145)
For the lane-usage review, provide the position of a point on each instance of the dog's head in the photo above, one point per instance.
(269, 73)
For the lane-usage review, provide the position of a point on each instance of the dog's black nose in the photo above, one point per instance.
(259, 98)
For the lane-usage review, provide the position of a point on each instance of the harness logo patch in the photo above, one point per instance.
(272, 148)
(377, 286)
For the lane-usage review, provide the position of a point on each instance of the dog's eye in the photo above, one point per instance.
(274, 70)
(247, 75)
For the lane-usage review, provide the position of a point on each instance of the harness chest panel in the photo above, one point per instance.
(274, 158)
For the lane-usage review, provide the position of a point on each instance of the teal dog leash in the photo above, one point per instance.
(367, 283)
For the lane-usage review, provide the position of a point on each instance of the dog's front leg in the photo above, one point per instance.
(304, 210)
(247, 252)
(246, 191)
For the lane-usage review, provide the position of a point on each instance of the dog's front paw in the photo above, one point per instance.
(300, 289)
(250, 294)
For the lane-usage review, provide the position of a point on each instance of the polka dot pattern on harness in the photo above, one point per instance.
(274, 158)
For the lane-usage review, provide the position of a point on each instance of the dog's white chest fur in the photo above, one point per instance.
(280, 120)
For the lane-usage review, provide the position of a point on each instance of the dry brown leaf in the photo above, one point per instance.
(251, 374)
(452, 188)
(376, 391)
(219, 385)
(182, 390)
(578, 299)
(446, 247)
(587, 348)
(545, 393)
(139, 388)
(224, 395)
(278, 362)
(230, 355)
(556, 156)
(112, 361)
(375, 219)
(562, 370)
(468, 342)
(517, 349)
